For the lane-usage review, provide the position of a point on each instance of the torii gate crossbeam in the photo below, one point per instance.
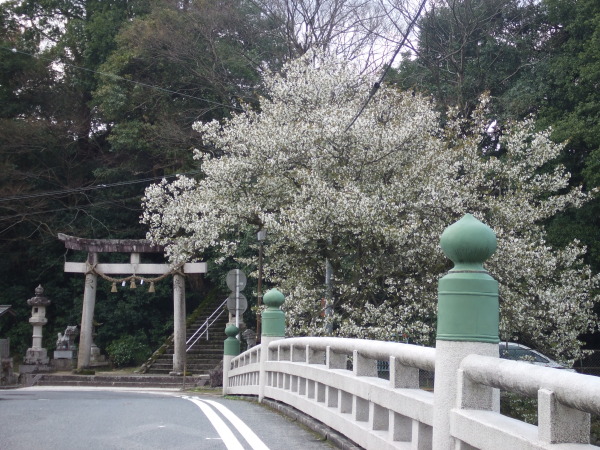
(91, 268)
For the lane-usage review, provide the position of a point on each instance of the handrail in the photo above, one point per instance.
(204, 327)
(575, 390)
(408, 354)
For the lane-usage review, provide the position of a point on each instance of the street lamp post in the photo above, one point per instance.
(261, 236)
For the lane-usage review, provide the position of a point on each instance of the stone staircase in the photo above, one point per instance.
(204, 356)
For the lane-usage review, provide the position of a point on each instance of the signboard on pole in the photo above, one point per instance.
(236, 302)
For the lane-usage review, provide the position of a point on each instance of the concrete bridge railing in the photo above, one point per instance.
(335, 380)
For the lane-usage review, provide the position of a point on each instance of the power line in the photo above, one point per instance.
(88, 188)
(118, 77)
(67, 208)
(377, 84)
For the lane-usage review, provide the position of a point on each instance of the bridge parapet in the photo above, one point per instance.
(335, 380)
(565, 401)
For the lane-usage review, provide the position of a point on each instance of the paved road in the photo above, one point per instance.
(96, 418)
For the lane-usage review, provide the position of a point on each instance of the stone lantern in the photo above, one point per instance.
(36, 358)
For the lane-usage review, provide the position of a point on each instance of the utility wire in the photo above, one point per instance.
(88, 188)
(118, 77)
(377, 84)
(67, 208)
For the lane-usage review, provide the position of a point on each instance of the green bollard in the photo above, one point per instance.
(231, 349)
(273, 318)
(468, 320)
(273, 329)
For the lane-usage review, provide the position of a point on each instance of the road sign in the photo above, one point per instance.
(236, 302)
(242, 303)
(236, 277)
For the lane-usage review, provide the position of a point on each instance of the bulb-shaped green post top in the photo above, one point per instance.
(468, 243)
(468, 307)
(273, 318)
(273, 298)
(231, 331)
(231, 346)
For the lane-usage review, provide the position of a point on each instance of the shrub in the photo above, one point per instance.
(129, 350)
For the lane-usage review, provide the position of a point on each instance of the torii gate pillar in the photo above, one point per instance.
(179, 330)
(87, 314)
(91, 268)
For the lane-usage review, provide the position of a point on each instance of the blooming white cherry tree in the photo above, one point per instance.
(373, 201)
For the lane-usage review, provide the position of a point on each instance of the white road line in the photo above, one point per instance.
(230, 441)
(255, 442)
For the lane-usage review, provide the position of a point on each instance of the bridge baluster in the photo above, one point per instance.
(332, 397)
(422, 436)
(360, 408)
(294, 383)
(400, 427)
(345, 402)
(310, 388)
(558, 423)
(302, 386)
(321, 389)
(402, 376)
(314, 356)
(283, 354)
(378, 417)
(298, 354)
(362, 366)
(335, 360)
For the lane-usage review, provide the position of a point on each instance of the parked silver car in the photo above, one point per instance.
(519, 352)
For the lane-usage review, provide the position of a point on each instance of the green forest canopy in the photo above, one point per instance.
(97, 99)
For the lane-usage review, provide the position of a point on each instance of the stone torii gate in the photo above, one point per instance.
(92, 268)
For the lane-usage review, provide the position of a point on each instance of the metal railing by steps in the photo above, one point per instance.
(204, 354)
(203, 329)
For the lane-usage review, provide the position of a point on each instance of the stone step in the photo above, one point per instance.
(205, 354)
(191, 356)
(163, 364)
(216, 336)
(195, 372)
(204, 364)
(159, 371)
(214, 341)
(151, 381)
(199, 351)
(199, 323)
(206, 349)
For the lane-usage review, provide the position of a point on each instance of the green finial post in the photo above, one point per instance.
(231, 344)
(468, 308)
(273, 318)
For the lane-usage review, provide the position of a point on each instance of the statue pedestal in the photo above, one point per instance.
(34, 368)
(64, 354)
(97, 359)
(63, 360)
(36, 356)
